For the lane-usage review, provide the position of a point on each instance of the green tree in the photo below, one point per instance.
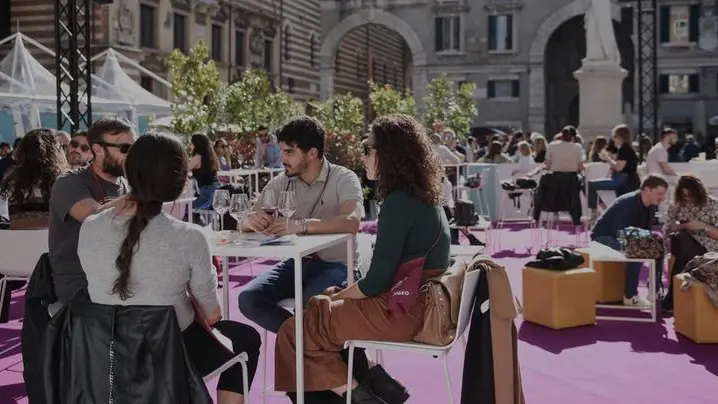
(195, 82)
(343, 118)
(452, 106)
(386, 100)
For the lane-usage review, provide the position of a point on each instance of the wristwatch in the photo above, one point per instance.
(303, 226)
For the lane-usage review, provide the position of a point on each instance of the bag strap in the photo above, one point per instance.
(436, 241)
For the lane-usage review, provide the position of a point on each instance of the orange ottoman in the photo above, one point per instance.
(610, 278)
(694, 315)
(559, 299)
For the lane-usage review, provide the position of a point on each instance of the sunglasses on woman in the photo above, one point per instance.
(368, 148)
(122, 147)
(76, 145)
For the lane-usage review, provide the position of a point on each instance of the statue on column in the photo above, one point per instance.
(600, 38)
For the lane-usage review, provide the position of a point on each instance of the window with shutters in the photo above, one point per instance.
(179, 32)
(216, 49)
(447, 34)
(502, 89)
(148, 26)
(501, 33)
(679, 25)
(240, 53)
(681, 83)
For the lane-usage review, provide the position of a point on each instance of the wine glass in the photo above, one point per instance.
(220, 204)
(287, 204)
(269, 203)
(239, 208)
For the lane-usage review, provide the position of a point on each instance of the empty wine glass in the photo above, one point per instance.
(287, 204)
(220, 204)
(239, 208)
(269, 203)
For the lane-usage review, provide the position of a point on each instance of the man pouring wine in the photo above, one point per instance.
(315, 197)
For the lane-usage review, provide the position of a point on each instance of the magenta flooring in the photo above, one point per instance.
(612, 362)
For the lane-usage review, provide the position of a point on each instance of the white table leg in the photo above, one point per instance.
(652, 293)
(256, 183)
(299, 327)
(225, 288)
(350, 260)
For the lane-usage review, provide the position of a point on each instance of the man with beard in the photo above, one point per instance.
(78, 150)
(79, 194)
(329, 200)
(657, 157)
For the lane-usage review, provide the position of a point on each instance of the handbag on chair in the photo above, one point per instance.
(442, 297)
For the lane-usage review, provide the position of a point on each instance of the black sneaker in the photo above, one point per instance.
(474, 241)
(362, 394)
(385, 386)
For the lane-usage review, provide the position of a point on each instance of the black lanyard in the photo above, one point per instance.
(321, 193)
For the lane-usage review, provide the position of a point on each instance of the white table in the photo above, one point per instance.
(601, 253)
(304, 246)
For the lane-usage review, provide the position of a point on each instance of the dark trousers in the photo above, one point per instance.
(258, 300)
(207, 354)
(683, 249)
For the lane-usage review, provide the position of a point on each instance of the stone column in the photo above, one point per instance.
(600, 97)
(419, 80)
(537, 99)
(326, 78)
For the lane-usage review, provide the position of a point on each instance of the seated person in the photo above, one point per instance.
(623, 167)
(657, 156)
(411, 225)
(691, 222)
(329, 200)
(81, 193)
(634, 209)
(135, 255)
(28, 184)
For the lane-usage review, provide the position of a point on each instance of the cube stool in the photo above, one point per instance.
(559, 299)
(610, 278)
(694, 314)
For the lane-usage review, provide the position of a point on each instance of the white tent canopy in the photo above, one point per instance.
(113, 83)
(24, 80)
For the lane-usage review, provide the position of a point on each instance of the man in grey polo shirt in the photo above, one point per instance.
(329, 200)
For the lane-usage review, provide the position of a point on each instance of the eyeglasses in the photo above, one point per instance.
(368, 148)
(122, 147)
(76, 145)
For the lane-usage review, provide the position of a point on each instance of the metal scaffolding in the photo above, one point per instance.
(646, 24)
(73, 29)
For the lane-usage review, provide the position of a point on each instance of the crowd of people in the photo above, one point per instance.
(101, 195)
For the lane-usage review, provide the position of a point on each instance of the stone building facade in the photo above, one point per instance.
(522, 54)
(279, 36)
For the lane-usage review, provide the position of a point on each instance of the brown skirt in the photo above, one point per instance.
(328, 325)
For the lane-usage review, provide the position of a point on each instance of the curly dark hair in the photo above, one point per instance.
(39, 160)
(695, 187)
(406, 160)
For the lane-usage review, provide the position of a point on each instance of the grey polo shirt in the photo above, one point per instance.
(317, 201)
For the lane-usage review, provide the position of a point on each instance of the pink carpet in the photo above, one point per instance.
(612, 362)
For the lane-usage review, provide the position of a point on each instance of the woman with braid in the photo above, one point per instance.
(134, 254)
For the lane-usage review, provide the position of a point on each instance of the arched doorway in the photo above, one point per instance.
(564, 52)
(331, 43)
(374, 53)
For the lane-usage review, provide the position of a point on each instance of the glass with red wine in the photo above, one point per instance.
(269, 203)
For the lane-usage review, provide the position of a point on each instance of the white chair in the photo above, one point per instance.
(19, 252)
(467, 295)
(242, 359)
(266, 387)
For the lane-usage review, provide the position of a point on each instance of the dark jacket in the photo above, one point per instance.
(626, 211)
(491, 368)
(38, 296)
(118, 354)
(557, 258)
(559, 192)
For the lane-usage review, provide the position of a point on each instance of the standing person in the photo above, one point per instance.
(411, 225)
(79, 194)
(134, 254)
(204, 167)
(329, 200)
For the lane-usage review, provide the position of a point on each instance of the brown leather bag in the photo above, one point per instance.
(442, 297)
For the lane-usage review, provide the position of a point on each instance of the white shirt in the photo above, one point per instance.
(658, 154)
(525, 163)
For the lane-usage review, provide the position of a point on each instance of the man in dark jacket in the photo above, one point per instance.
(634, 209)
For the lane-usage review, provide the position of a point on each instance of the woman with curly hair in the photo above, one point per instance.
(411, 226)
(692, 225)
(27, 186)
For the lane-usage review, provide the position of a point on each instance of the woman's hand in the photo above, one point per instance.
(695, 225)
(214, 317)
